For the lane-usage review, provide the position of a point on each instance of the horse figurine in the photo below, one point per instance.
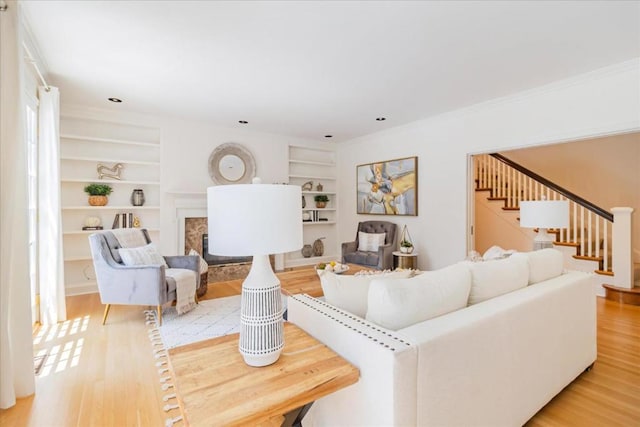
(113, 172)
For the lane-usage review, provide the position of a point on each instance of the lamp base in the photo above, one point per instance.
(261, 323)
(543, 240)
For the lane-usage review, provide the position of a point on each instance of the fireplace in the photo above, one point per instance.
(218, 259)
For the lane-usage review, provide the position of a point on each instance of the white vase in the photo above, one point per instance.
(406, 249)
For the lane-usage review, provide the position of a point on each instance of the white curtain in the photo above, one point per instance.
(16, 349)
(51, 266)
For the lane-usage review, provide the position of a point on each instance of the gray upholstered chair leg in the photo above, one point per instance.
(106, 313)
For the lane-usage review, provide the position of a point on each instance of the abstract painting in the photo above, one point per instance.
(389, 187)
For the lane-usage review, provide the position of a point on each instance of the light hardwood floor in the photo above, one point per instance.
(106, 375)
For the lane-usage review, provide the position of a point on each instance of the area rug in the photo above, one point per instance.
(211, 318)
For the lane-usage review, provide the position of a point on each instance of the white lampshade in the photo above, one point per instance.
(544, 214)
(254, 219)
(257, 219)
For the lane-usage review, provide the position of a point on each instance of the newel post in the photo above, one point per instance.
(621, 247)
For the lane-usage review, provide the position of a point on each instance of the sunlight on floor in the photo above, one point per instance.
(59, 356)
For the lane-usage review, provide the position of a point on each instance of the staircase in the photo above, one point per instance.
(588, 241)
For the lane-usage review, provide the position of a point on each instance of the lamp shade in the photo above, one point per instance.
(544, 214)
(254, 219)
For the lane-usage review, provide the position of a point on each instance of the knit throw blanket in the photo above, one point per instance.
(185, 288)
(129, 237)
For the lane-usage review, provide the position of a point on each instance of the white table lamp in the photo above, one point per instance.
(257, 219)
(544, 214)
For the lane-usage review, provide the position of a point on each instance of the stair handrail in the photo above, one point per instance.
(566, 193)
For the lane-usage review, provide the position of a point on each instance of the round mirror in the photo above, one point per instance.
(231, 167)
(231, 164)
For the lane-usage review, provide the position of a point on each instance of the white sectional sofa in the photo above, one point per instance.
(529, 332)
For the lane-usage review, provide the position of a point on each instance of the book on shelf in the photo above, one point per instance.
(123, 220)
(98, 227)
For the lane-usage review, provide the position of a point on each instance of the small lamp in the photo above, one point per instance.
(257, 219)
(543, 214)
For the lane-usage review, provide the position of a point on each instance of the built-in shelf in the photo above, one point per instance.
(95, 159)
(188, 192)
(108, 140)
(325, 178)
(109, 208)
(318, 192)
(317, 222)
(110, 181)
(309, 162)
(318, 165)
(85, 142)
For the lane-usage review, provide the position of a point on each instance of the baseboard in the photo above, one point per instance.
(81, 289)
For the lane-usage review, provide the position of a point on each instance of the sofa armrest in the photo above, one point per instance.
(348, 247)
(385, 256)
(385, 393)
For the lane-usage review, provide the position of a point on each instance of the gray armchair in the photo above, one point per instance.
(383, 258)
(134, 285)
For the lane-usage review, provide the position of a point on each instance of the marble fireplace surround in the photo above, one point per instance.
(192, 224)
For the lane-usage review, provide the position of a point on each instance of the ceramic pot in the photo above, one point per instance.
(318, 247)
(321, 205)
(406, 249)
(98, 200)
(307, 251)
(137, 197)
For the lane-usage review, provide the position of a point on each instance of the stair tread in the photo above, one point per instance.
(634, 290)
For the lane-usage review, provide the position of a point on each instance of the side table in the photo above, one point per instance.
(216, 388)
(402, 260)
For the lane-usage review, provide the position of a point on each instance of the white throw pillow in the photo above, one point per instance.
(493, 278)
(496, 252)
(398, 303)
(349, 292)
(204, 267)
(143, 255)
(369, 242)
(543, 264)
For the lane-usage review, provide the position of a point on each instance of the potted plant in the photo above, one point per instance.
(98, 194)
(321, 200)
(406, 247)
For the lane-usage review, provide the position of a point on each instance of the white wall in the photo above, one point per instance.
(602, 102)
(186, 146)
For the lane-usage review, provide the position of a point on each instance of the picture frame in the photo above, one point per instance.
(388, 187)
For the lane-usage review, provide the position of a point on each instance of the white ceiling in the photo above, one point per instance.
(309, 69)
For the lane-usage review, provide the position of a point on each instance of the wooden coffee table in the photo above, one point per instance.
(215, 387)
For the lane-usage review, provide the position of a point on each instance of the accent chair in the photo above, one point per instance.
(134, 285)
(382, 259)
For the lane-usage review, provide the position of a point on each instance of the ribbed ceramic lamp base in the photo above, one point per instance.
(261, 325)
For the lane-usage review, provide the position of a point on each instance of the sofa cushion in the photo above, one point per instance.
(143, 255)
(370, 241)
(397, 303)
(492, 278)
(543, 264)
(350, 292)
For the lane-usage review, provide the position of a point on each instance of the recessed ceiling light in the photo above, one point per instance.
(116, 100)
(243, 122)
(328, 136)
(381, 119)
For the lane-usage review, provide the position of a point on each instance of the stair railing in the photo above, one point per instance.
(590, 227)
